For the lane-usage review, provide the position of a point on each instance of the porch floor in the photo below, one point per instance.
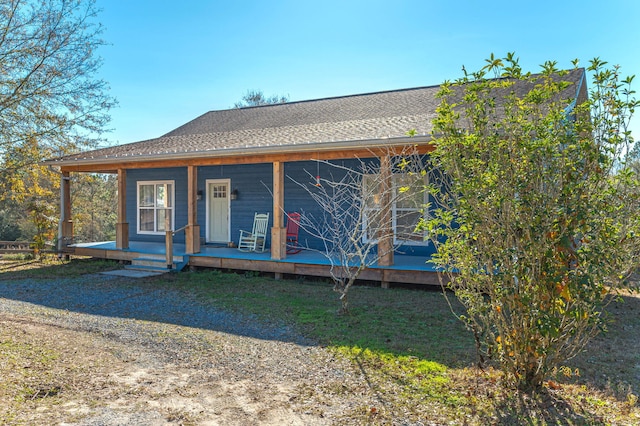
(406, 268)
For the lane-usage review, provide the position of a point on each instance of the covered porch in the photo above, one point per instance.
(192, 210)
(405, 269)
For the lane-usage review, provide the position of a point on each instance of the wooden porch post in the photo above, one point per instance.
(122, 226)
(192, 232)
(65, 228)
(385, 245)
(278, 232)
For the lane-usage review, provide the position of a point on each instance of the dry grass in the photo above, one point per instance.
(48, 371)
(49, 265)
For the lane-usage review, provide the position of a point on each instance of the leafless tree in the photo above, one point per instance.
(357, 208)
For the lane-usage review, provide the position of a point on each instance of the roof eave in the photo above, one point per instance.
(312, 147)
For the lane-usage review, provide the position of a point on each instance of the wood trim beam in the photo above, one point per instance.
(192, 195)
(122, 195)
(65, 228)
(112, 167)
(278, 232)
(122, 226)
(66, 197)
(385, 244)
(192, 231)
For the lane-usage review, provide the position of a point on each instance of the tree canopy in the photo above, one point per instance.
(48, 85)
(257, 98)
(51, 99)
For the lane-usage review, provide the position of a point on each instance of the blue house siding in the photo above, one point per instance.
(298, 199)
(254, 184)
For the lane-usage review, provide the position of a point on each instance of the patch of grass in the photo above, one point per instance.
(403, 322)
(45, 370)
(26, 376)
(17, 256)
(50, 265)
(419, 379)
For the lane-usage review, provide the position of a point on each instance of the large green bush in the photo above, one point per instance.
(534, 219)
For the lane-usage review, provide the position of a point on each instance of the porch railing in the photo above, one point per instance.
(169, 241)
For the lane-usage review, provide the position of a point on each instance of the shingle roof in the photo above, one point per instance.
(367, 109)
(288, 127)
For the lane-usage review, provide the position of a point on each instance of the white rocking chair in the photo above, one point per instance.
(257, 238)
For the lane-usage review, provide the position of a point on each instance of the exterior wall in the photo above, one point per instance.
(254, 183)
(297, 199)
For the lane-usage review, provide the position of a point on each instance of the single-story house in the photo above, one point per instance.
(210, 176)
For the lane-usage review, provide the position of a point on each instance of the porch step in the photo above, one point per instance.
(132, 273)
(158, 258)
(153, 263)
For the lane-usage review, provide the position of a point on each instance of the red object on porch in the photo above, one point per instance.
(293, 228)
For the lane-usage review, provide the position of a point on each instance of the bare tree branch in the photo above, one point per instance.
(352, 205)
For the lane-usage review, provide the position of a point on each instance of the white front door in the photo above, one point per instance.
(218, 211)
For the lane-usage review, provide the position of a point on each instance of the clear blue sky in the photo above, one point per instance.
(170, 61)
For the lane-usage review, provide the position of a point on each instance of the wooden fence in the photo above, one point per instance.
(12, 247)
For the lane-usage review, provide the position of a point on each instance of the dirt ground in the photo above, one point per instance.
(94, 351)
(94, 380)
(118, 384)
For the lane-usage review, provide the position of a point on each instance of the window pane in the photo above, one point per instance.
(371, 191)
(410, 192)
(161, 215)
(161, 195)
(406, 222)
(146, 220)
(219, 191)
(373, 223)
(169, 195)
(146, 195)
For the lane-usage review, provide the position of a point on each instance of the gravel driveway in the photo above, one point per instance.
(154, 356)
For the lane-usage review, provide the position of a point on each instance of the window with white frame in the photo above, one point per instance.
(408, 201)
(155, 206)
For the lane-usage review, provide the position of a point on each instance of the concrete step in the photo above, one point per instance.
(133, 273)
(149, 264)
(156, 263)
(158, 257)
(153, 263)
(148, 268)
